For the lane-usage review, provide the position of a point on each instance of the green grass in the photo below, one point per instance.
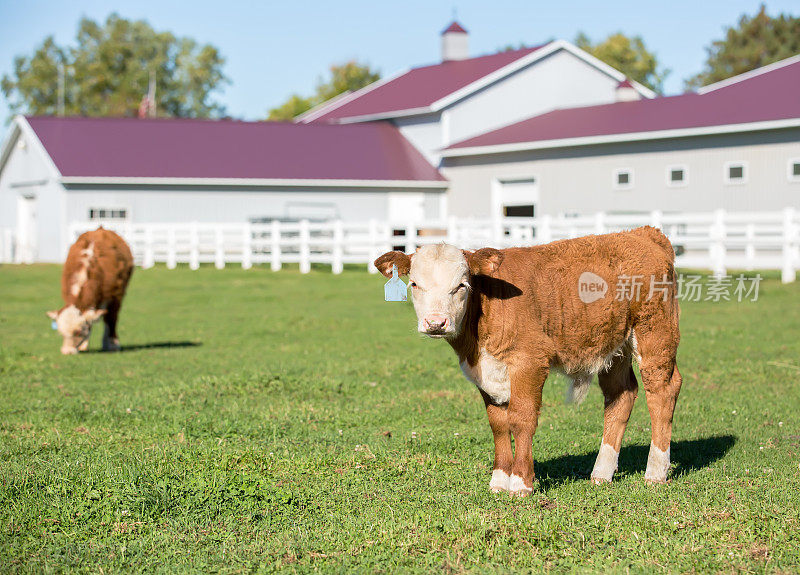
(261, 421)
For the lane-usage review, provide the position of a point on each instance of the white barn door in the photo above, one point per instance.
(27, 230)
(511, 199)
(406, 207)
(516, 198)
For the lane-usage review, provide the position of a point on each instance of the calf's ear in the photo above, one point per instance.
(483, 262)
(52, 315)
(399, 259)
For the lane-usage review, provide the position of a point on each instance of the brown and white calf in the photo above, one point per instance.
(96, 274)
(514, 315)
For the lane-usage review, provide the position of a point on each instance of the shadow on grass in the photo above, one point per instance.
(153, 345)
(687, 456)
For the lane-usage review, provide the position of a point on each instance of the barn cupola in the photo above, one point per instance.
(626, 92)
(455, 42)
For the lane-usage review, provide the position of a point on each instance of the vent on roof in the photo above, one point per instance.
(626, 92)
(455, 42)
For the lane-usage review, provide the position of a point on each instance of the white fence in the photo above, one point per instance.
(716, 241)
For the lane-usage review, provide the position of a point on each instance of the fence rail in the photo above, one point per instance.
(717, 241)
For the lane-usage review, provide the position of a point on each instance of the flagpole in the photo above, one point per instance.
(152, 94)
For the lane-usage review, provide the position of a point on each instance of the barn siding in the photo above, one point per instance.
(27, 173)
(232, 204)
(579, 180)
(560, 80)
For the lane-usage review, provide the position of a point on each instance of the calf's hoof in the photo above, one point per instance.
(517, 487)
(599, 480)
(112, 345)
(655, 481)
(84, 346)
(499, 481)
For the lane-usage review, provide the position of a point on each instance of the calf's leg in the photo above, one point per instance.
(523, 417)
(503, 454)
(110, 339)
(662, 384)
(620, 388)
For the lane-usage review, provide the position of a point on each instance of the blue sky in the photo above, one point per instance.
(276, 48)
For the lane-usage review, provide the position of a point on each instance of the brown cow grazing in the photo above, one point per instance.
(96, 274)
(514, 315)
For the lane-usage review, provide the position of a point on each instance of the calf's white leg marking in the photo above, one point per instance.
(605, 465)
(517, 486)
(657, 465)
(499, 482)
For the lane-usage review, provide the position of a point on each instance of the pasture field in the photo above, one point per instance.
(260, 421)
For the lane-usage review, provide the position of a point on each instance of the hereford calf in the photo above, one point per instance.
(583, 307)
(93, 283)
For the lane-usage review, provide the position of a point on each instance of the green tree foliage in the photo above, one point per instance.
(757, 41)
(347, 77)
(108, 71)
(629, 55)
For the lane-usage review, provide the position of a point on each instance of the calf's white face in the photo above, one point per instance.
(440, 289)
(74, 326)
(440, 283)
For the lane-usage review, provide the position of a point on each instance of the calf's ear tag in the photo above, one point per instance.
(395, 289)
(53, 325)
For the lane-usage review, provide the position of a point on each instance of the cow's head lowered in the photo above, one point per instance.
(441, 280)
(74, 326)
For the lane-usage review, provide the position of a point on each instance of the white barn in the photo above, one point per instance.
(542, 130)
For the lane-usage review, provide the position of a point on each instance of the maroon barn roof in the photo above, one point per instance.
(421, 87)
(772, 95)
(171, 148)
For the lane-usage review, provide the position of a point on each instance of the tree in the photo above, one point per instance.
(347, 77)
(107, 73)
(628, 55)
(757, 41)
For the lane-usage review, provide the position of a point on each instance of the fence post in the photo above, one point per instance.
(718, 253)
(149, 259)
(373, 246)
(545, 231)
(338, 238)
(172, 256)
(194, 247)
(305, 248)
(655, 219)
(749, 246)
(8, 246)
(599, 223)
(788, 272)
(275, 246)
(247, 246)
(497, 232)
(452, 231)
(219, 249)
(411, 238)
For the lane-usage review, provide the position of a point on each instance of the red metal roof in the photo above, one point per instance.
(454, 27)
(773, 95)
(421, 87)
(171, 148)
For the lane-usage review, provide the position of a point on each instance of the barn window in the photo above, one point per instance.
(623, 179)
(526, 211)
(735, 173)
(794, 170)
(676, 176)
(108, 214)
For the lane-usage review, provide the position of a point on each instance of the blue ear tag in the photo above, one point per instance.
(395, 289)
(54, 325)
